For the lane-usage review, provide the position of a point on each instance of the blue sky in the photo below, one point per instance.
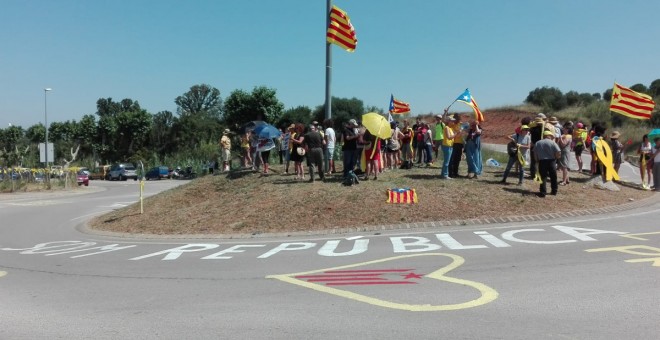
(424, 52)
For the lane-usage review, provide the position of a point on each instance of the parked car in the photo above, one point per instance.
(158, 172)
(122, 172)
(82, 178)
(100, 172)
(56, 171)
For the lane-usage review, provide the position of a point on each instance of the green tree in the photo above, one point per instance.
(261, 104)
(300, 114)
(654, 89)
(641, 88)
(607, 95)
(572, 98)
(550, 98)
(200, 99)
(162, 138)
(342, 110)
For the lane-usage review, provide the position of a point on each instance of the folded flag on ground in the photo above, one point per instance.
(401, 195)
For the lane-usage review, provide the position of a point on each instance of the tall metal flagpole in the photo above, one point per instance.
(328, 65)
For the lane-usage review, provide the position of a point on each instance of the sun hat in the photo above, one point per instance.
(615, 135)
(524, 127)
(227, 131)
(541, 115)
(580, 125)
(438, 116)
(353, 122)
(553, 120)
(548, 133)
(539, 120)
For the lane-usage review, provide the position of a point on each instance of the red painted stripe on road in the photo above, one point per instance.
(363, 283)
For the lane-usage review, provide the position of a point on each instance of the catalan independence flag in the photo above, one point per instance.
(630, 103)
(340, 30)
(401, 195)
(466, 97)
(397, 106)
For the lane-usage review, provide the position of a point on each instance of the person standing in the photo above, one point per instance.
(314, 144)
(264, 146)
(296, 146)
(286, 144)
(438, 135)
(522, 140)
(406, 143)
(536, 129)
(330, 141)
(579, 137)
(617, 149)
(225, 149)
(447, 145)
(473, 150)
(547, 152)
(372, 154)
(246, 159)
(645, 161)
(565, 142)
(457, 148)
(656, 165)
(349, 138)
(428, 145)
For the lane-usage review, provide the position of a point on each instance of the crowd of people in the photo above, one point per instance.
(541, 143)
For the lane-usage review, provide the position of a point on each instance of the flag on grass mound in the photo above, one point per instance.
(401, 195)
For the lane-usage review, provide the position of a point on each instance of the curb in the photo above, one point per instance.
(646, 202)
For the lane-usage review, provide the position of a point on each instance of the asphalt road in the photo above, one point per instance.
(594, 277)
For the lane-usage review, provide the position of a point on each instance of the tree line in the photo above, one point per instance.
(124, 131)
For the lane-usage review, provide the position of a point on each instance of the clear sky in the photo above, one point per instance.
(425, 52)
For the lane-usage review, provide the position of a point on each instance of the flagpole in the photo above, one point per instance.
(328, 65)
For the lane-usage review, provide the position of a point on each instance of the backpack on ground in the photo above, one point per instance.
(406, 165)
(351, 179)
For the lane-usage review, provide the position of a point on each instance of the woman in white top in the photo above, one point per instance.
(330, 141)
(645, 161)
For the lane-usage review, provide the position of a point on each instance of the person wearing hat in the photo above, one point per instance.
(448, 145)
(553, 124)
(617, 150)
(579, 137)
(523, 141)
(564, 143)
(536, 129)
(349, 139)
(225, 149)
(547, 152)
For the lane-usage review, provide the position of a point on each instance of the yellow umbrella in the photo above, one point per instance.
(377, 125)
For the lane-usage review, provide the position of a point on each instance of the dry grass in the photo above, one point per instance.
(248, 203)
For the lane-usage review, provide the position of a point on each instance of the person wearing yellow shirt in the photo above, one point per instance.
(447, 145)
(579, 137)
(457, 148)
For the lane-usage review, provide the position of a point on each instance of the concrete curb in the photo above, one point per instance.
(647, 202)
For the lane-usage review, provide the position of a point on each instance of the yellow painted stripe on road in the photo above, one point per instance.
(636, 236)
(488, 294)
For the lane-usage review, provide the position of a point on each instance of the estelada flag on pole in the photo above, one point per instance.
(630, 103)
(340, 31)
(397, 106)
(466, 97)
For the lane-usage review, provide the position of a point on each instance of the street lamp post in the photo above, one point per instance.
(46, 122)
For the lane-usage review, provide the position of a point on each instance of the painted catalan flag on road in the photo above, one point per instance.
(630, 103)
(397, 106)
(340, 31)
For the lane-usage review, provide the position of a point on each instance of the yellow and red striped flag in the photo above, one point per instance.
(340, 30)
(630, 103)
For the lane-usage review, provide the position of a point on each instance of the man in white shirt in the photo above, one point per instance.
(330, 141)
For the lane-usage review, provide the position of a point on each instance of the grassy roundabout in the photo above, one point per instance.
(244, 202)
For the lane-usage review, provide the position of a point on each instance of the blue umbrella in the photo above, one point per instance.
(250, 126)
(655, 133)
(266, 131)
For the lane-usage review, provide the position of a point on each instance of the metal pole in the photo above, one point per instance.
(46, 122)
(328, 65)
